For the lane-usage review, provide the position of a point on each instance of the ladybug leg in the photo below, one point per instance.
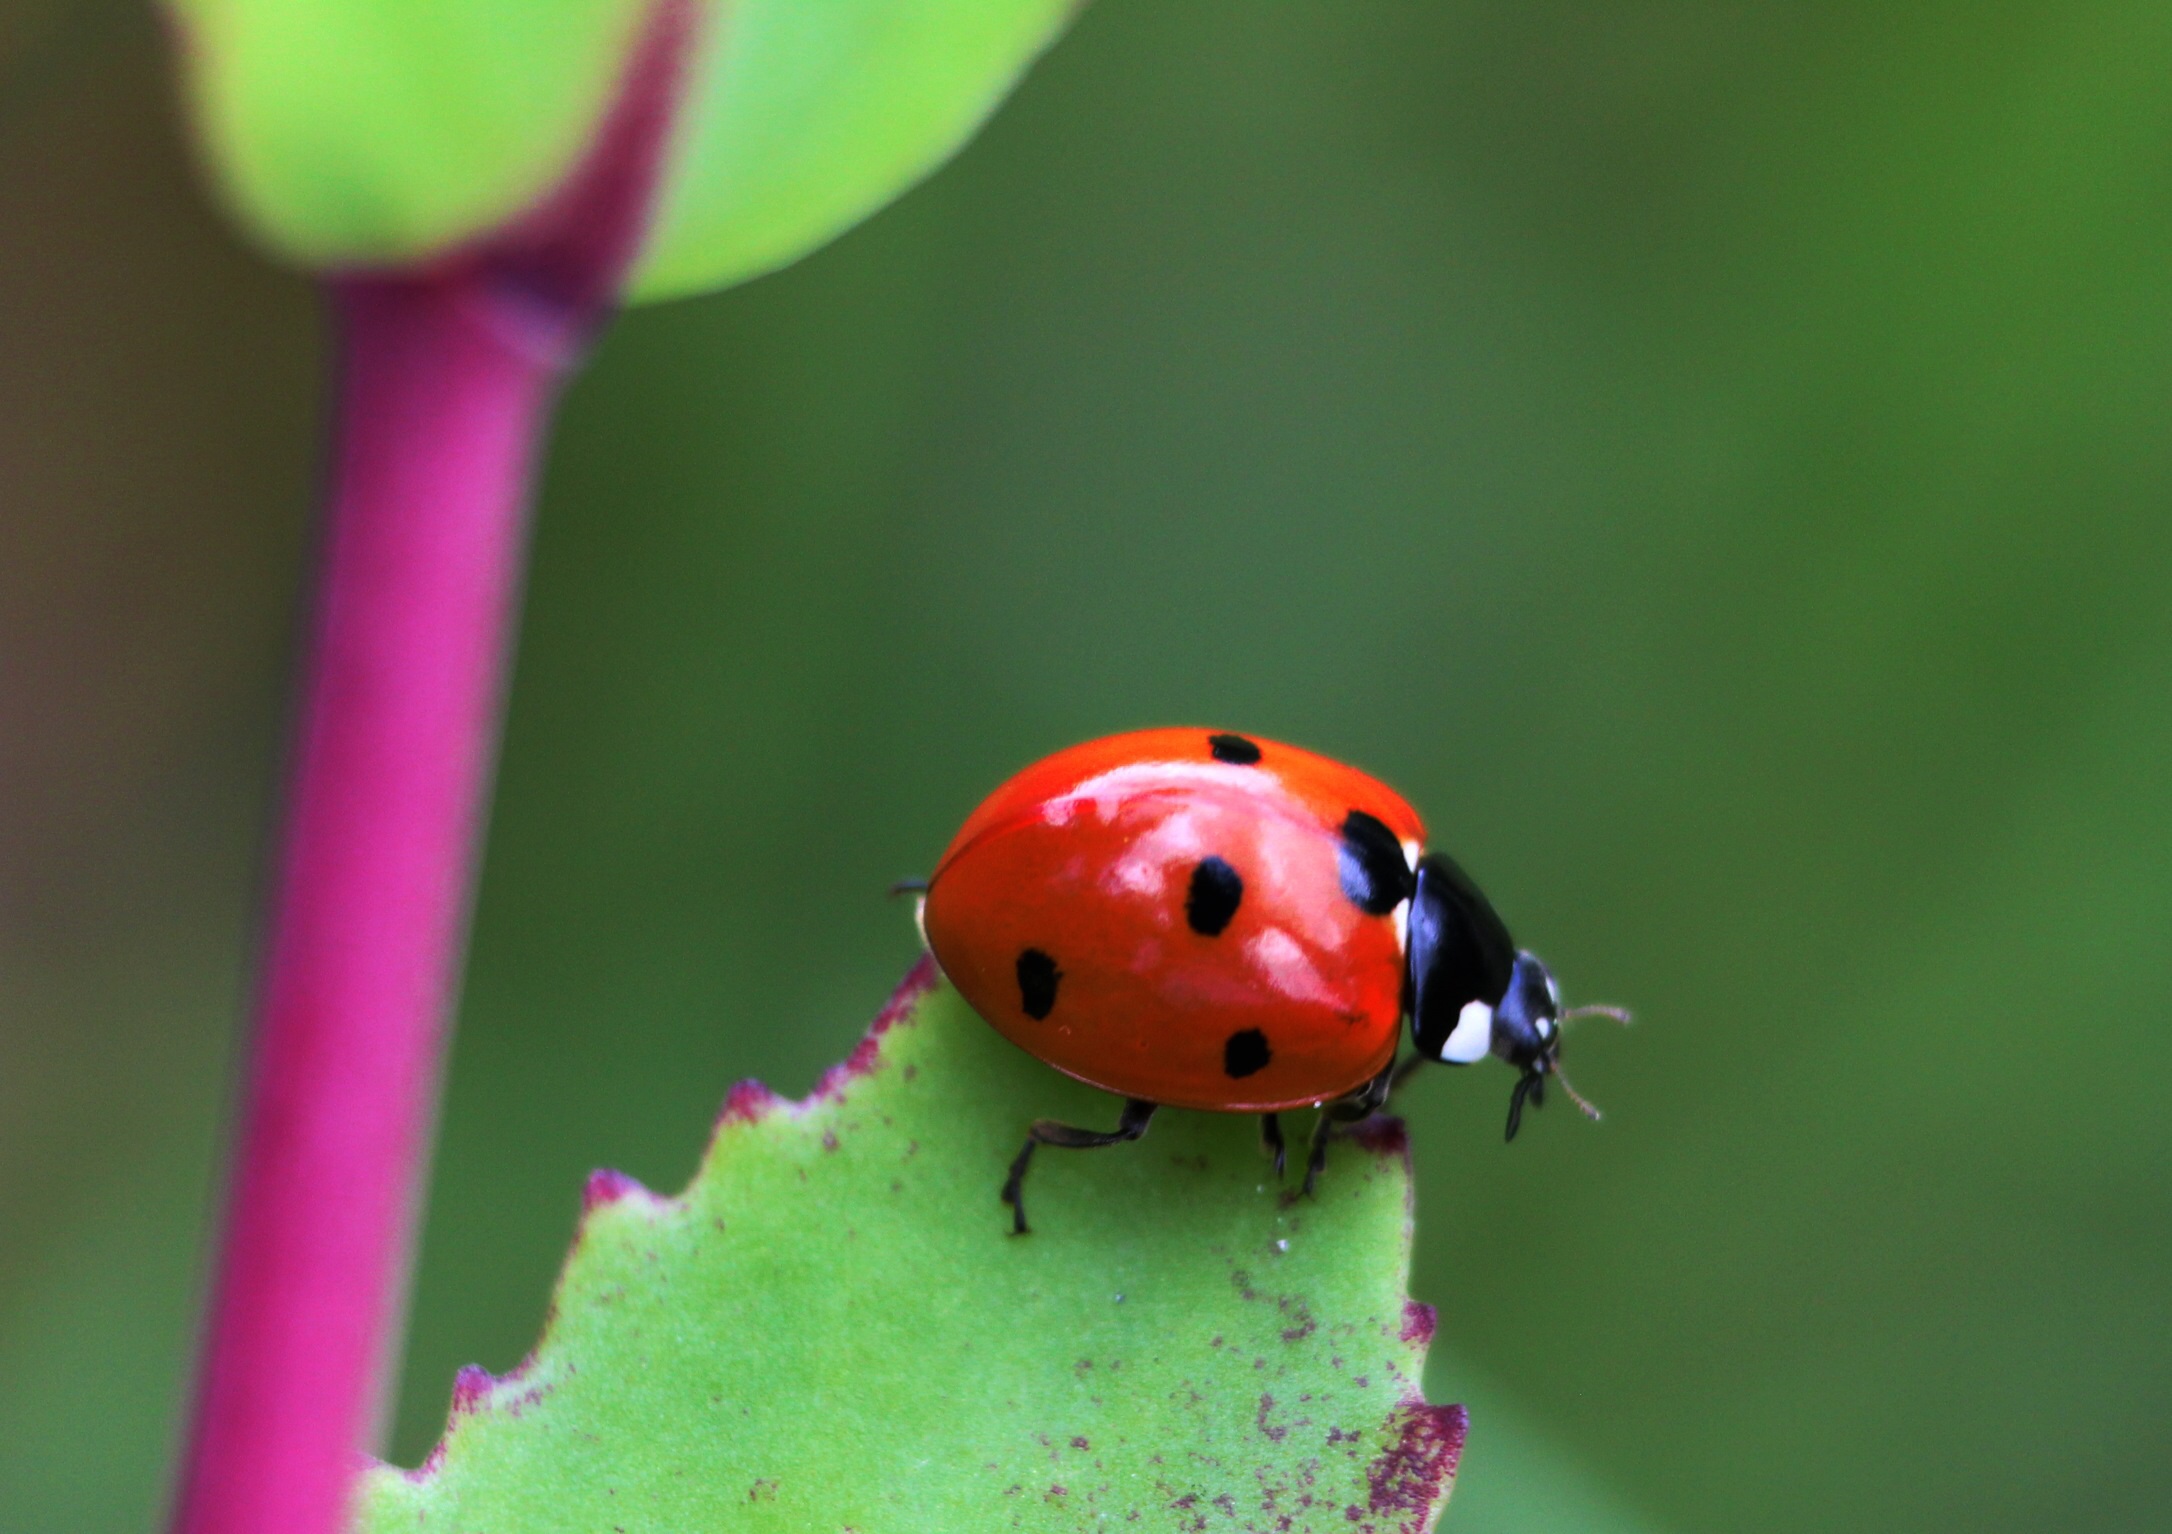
(1371, 1097)
(1270, 1141)
(1359, 1105)
(1137, 1115)
(1316, 1156)
(1529, 1085)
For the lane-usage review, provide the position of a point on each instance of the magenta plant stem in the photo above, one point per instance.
(447, 377)
(439, 414)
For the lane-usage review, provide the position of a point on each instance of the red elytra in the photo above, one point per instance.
(1196, 919)
(1168, 915)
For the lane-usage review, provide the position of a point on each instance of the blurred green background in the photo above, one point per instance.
(1712, 456)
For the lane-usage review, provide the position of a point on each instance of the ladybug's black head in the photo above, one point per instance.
(1473, 993)
(1527, 1018)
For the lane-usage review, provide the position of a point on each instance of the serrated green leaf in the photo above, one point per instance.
(832, 1328)
(383, 132)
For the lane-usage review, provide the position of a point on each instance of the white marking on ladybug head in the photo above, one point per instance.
(1472, 1037)
(1411, 850)
(1401, 917)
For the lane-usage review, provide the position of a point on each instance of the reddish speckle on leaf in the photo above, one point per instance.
(1418, 1323)
(1383, 1135)
(1410, 1477)
(1274, 1434)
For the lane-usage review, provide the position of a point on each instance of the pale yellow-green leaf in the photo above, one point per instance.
(386, 132)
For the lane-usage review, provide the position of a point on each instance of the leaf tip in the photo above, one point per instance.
(605, 1187)
(471, 1388)
(1409, 1482)
(748, 1102)
(475, 1393)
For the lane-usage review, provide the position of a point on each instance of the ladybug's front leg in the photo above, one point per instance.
(1270, 1141)
(1137, 1115)
(1358, 1106)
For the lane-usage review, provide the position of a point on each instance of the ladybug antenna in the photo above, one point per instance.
(1576, 1097)
(1621, 1015)
(920, 887)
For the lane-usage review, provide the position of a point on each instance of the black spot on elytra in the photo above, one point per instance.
(1217, 890)
(1371, 862)
(1037, 977)
(1234, 749)
(1245, 1053)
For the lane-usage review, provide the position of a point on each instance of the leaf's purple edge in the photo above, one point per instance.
(1405, 1481)
(476, 1389)
(1409, 1480)
(748, 1102)
(1418, 1323)
(605, 1186)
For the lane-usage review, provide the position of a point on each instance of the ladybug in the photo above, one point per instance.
(1190, 918)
